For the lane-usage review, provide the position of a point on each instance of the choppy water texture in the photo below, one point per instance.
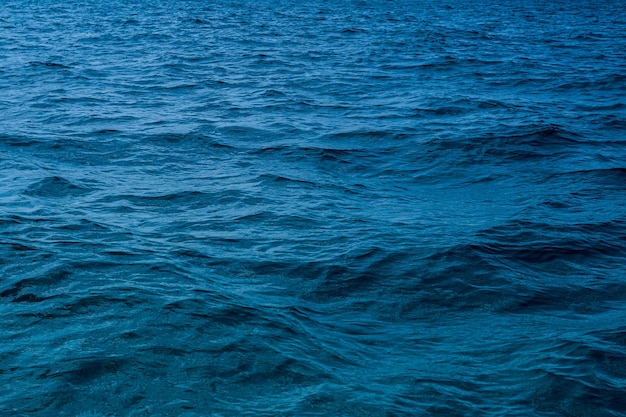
(325, 208)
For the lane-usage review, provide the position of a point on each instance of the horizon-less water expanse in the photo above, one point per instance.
(323, 208)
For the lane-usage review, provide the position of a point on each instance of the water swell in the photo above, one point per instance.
(348, 209)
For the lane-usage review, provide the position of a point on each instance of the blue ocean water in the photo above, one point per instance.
(323, 208)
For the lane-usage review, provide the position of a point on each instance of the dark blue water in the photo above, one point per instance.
(330, 208)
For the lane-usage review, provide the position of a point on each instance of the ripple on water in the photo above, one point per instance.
(356, 209)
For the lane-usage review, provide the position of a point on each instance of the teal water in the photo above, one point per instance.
(350, 208)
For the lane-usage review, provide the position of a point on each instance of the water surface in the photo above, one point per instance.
(347, 208)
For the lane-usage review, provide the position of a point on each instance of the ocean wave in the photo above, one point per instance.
(284, 209)
(55, 186)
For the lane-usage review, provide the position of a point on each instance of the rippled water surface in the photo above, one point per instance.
(325, 208)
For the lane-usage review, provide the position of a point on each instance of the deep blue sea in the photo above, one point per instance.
(323, 208)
